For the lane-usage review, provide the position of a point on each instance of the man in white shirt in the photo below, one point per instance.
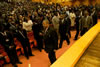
(72, 18)
(27, 25)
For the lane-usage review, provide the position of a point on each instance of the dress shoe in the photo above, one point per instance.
(75, 38)
(59, 47)
(40, 50)
(27, 57)
(31, 55)
(15, 65)
(68, 43)
(19, 62)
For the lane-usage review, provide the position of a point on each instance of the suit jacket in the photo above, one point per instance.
(50, 40)
(88, 23)
(22, 37)
(94, 16)
(37, 28)
(64, 27)
(77, 22)
(55, 22)
(7, 41)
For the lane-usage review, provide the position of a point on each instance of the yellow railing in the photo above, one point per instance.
(73, 54)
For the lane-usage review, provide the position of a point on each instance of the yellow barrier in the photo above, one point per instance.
(73, 54)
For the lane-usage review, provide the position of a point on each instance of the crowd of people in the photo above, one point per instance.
(49, 22)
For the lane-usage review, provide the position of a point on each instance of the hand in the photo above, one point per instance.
(1, 55)
(40, 34)
(6, 57)
(10, 47)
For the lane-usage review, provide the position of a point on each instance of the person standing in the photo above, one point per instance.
(86, 23)
(37, 29)
(77, 25)
(63, 30)
(72, 17)
(21, 35)
(69, 24)
(27, 24)
(94, 16)
(7, 41)
(50, 41)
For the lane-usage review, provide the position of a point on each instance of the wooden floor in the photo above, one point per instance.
(91, 57)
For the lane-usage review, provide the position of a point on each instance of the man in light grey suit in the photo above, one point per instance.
(55, 22)
(86, 22)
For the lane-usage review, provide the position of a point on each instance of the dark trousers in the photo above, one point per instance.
(12, 54)
(39, 42)
(27, 49)
(52, 56)
(77, 33)
(69, 33)
(62, 38)
(84, 31)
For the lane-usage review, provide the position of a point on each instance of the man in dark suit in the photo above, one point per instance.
(50, 41)
(86, 22)
(77, 24)
(21, 35)
(63, 30)
(94, 16)
(69, 25)
(37, 28)
(7, 41)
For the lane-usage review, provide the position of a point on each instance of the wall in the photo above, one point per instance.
(69, 2)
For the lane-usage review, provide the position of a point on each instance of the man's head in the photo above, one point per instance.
(55, 13)
(45, 23)
(5, 26)
(9, 20)
(86, 13)
(63, 15)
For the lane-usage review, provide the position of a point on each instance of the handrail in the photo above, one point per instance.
(73, 54)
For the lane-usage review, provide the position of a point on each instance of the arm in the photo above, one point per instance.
(91, 22)
(80, 24)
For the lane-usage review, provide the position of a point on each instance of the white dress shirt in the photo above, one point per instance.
(27, 25)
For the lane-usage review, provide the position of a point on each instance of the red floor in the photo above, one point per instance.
(41, 58)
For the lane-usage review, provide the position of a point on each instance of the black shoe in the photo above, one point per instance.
(59, 47)
(19, 62)
(27, 57)
(15, 65)
(68, 43)
(40, 50)
(75, 38)
(56, 48)
(31, 55)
